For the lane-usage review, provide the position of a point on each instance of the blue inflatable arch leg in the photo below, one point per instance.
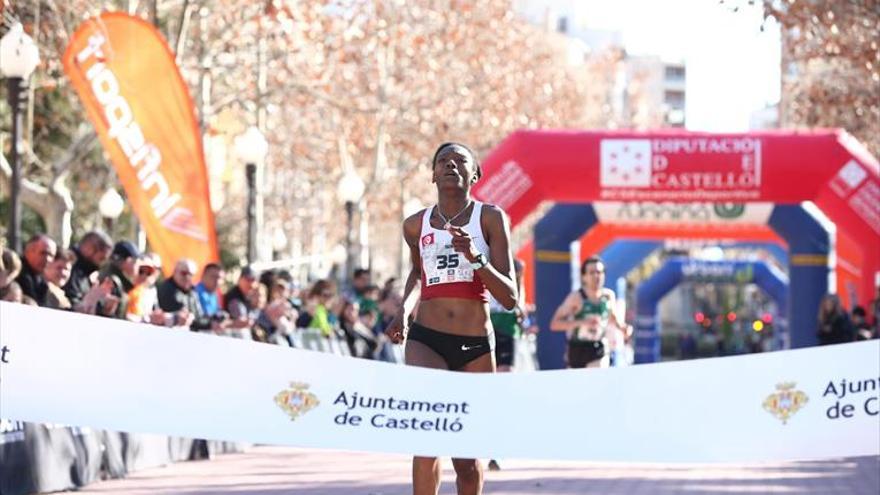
(674, 271)
(554, 233)
(809, 246)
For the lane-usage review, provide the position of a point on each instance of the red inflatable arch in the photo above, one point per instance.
(526, 253)
(602, 235)
(826, 167)
(851, 269)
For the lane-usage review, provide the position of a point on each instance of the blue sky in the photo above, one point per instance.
(733, 67)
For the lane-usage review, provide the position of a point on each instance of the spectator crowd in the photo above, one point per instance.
(837, 326)
(117, 280)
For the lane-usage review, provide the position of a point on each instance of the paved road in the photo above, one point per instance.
(283, 471)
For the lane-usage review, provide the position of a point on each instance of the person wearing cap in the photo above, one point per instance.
(178, 297)
(121, 272)
(91, 251)
(142, 299)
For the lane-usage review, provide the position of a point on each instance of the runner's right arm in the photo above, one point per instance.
(563, 319)
(411, 231)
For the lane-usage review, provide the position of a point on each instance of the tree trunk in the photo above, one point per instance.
(54, 204)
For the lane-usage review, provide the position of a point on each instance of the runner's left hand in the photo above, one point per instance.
(463, 243)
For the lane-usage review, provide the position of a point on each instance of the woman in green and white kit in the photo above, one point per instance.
(587, 315)
(506, 324)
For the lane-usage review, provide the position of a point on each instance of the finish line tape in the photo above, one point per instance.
(82, 370)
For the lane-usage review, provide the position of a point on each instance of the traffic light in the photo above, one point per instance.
(763, 324)
(731, 316)
(702, 320)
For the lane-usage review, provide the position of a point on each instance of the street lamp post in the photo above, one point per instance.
(350, 190)
(251, 147)
(250, 173)
(110, 205)
(18, 59)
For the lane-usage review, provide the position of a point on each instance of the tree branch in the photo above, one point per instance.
(31, 192)
(235, 98)
(81, 146)
(180, 41)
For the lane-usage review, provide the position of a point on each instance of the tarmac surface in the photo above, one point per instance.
(282, 470)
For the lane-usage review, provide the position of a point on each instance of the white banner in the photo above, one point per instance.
(700, 214)
(81, 370)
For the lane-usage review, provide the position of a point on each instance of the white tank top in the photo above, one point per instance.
(441, 264)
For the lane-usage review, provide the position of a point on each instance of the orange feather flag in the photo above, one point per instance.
(133, 93)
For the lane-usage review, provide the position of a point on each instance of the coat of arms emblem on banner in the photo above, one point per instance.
(785, 401)
(296, 400)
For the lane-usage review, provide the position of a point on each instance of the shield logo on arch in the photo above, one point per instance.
(625, 163)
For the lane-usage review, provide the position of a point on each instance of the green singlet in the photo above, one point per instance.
(505, 323)
(503, 320)
(589, 308)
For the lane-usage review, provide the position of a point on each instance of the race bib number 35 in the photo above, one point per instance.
(447, 266)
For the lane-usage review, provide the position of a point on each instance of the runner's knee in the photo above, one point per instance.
(424, 462)
(466, 468)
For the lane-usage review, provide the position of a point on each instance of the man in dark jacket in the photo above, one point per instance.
(122, 270)
(38, 252)
(238, 303)
(91, 252)
(177, 296)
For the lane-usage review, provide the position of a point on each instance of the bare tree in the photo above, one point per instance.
(830, 65)
(388, 80)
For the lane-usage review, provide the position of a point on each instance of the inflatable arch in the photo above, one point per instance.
(644, 239)
(827, 167)
(677, 220)
(627, 254)
(676, 270)
(807, 239)
(848, 260)
(624, 242)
